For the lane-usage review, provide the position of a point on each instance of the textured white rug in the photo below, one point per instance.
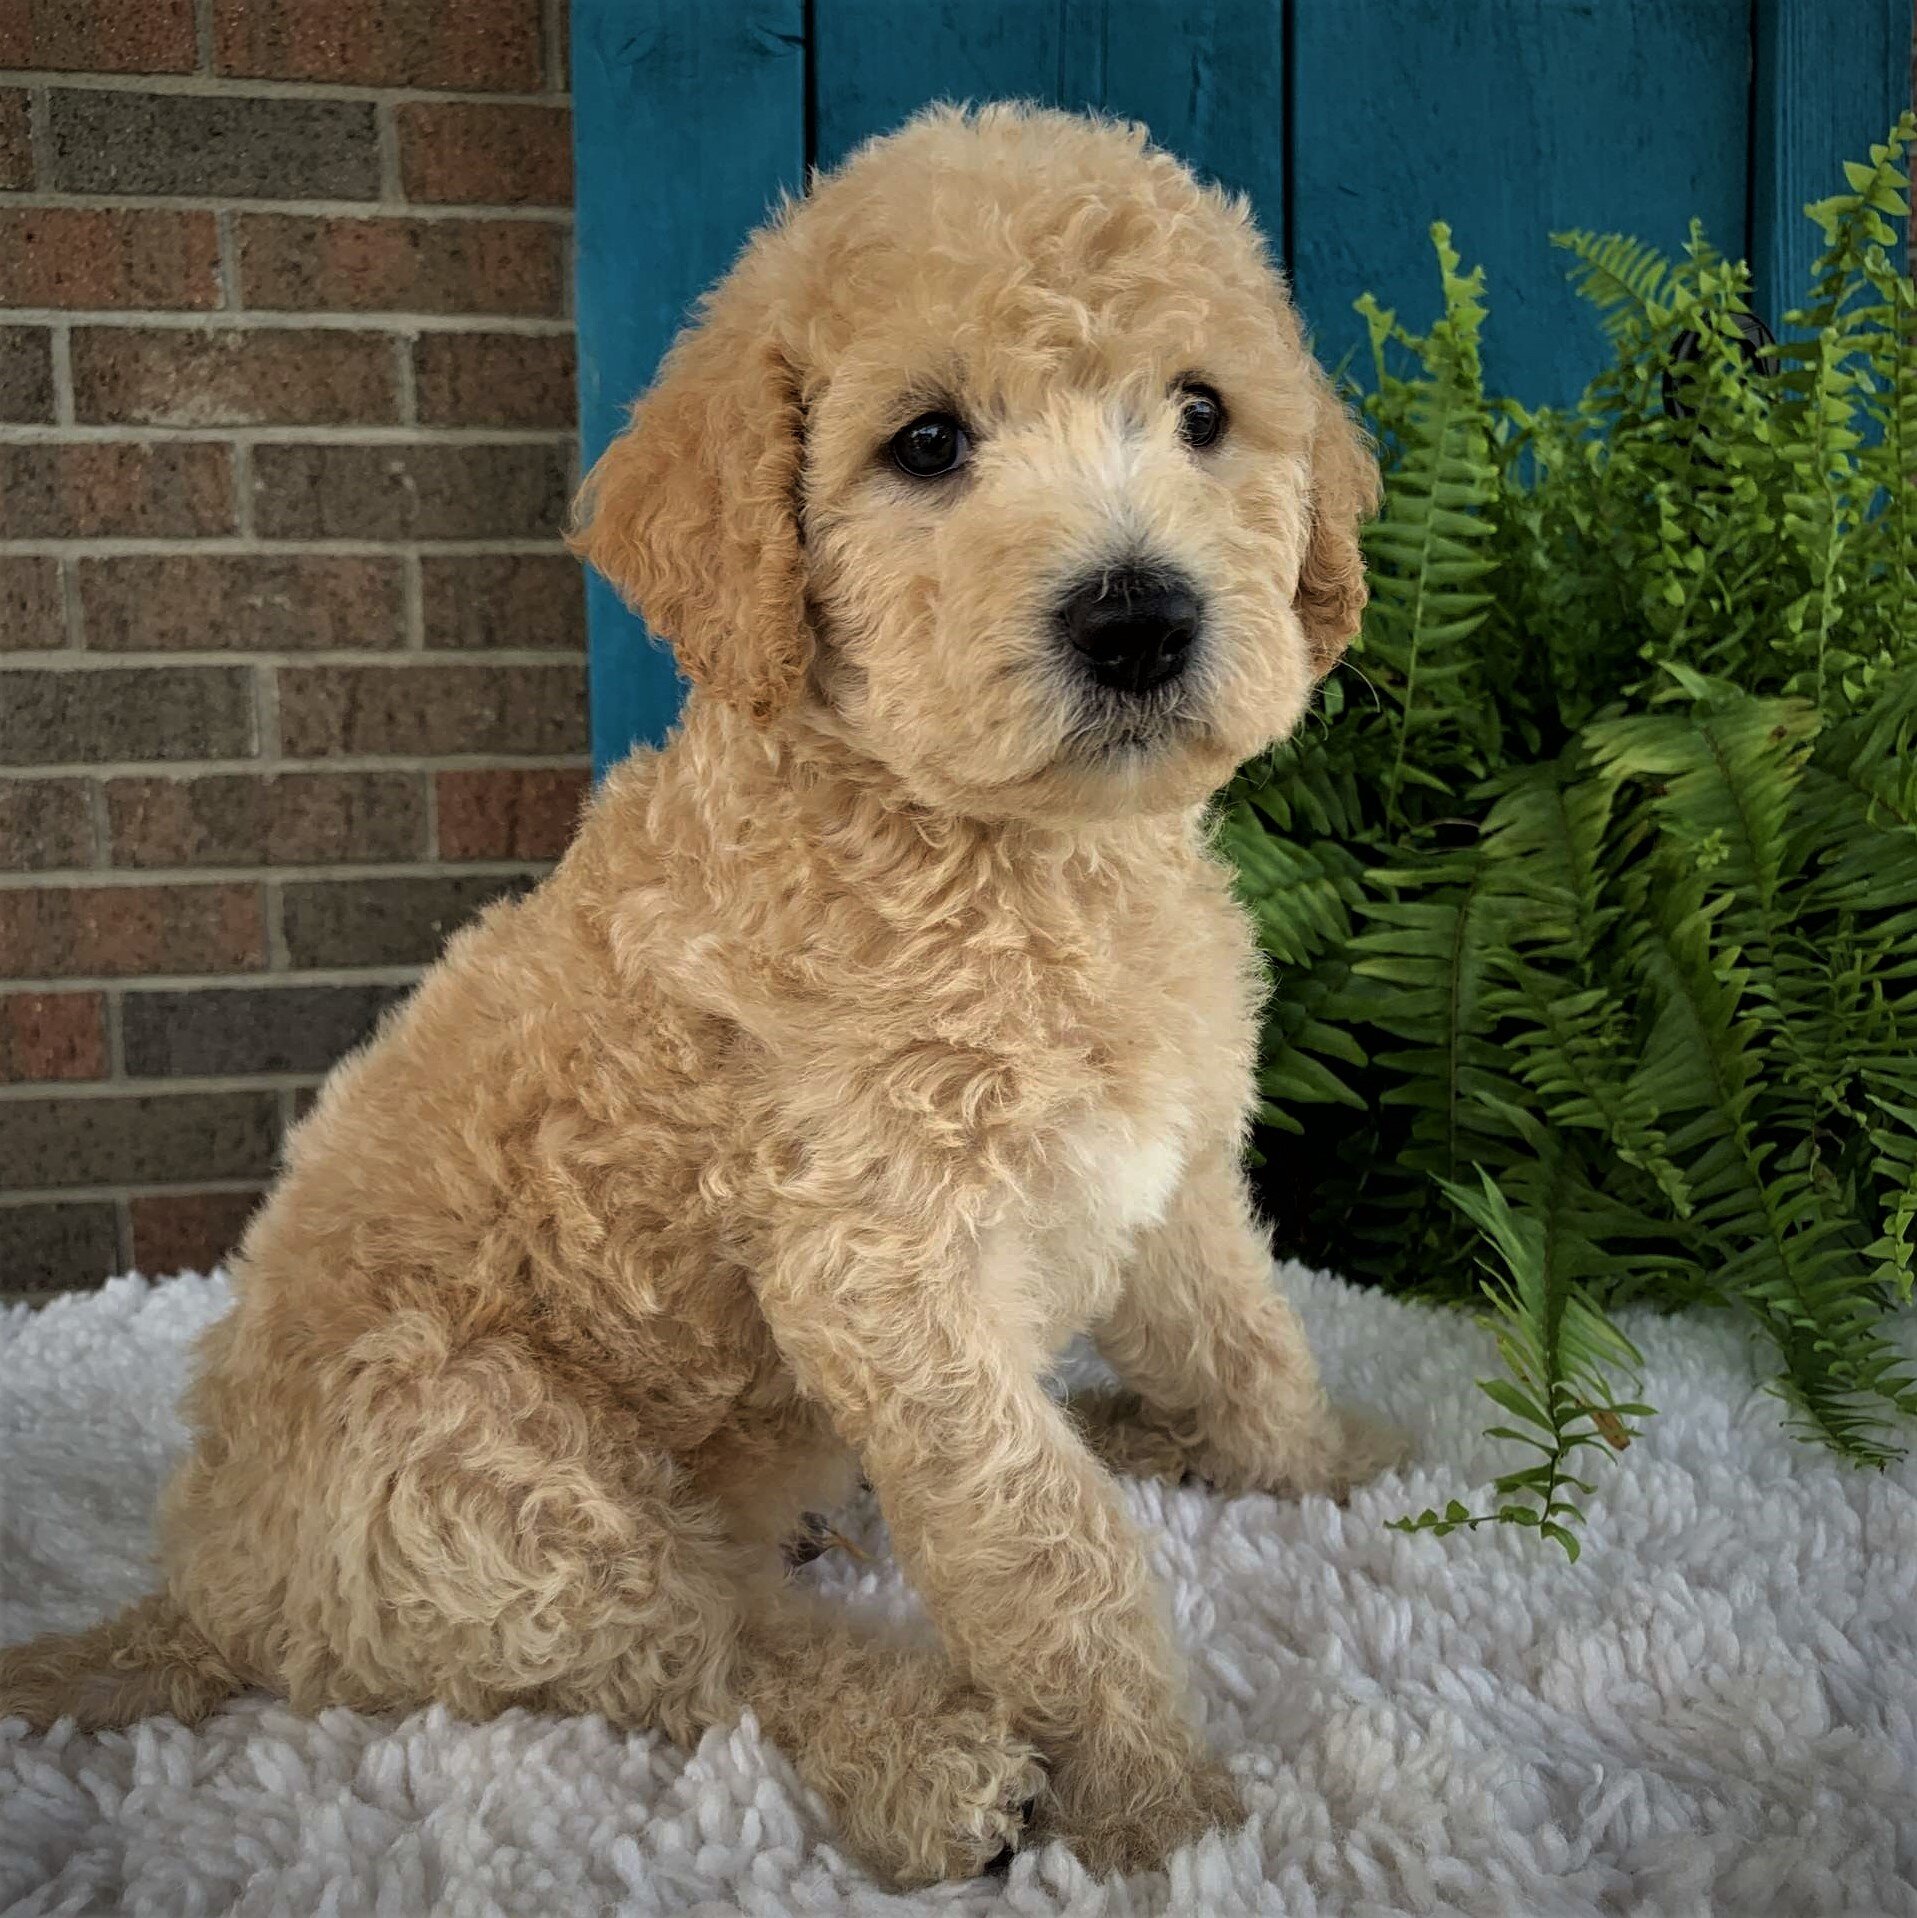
(1715, 1711)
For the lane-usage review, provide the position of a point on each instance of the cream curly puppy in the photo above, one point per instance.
(890, 1026)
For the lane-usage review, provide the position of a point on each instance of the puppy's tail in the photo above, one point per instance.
(149, 1660)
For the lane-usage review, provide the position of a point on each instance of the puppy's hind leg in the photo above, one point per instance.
(925, 1775)
(482, 1539)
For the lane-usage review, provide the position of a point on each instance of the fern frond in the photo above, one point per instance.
(1592, 903)
(1555, 1002)
(1560, 1351)
(1428, 549)
(1621, 277)
(1769, 1245)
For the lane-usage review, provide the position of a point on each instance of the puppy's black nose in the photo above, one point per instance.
(1134, 629)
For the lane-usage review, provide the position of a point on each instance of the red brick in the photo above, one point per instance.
(431, 709)
(52, 1035)
(59, 1248)
(504, 599)
(394, 920)
(99, 36)
(227, 1031)
(84, 257)
(188, 1231)
(89, 488)
(64, 932)
(495, 379)
(45, 824)
(60, 715)
(168, 376)
(246, 601)
(242, 819)
(16, 139)
(482, 154)
(138, 1138)
(509, 812)
(215, 146)
(26, 374)
(241, 601)
(31, 616)
(480, 45)
(303, 263)
(475, 489)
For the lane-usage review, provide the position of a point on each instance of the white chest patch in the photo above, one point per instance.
(1111, 1176)
(1119, 1175)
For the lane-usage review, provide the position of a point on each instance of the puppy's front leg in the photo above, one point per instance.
(1009, 1530)
(1222, 1383)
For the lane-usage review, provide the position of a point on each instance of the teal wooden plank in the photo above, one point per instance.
(876, 62)
(1207, 76)
(1510, 119)
(687, 120)
(1831, 77)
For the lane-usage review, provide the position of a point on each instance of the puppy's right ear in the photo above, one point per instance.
(692, 513)
(1345, 492)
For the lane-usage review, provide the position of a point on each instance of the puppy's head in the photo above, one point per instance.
(1001, 457)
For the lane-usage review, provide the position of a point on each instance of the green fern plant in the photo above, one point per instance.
(1590, 892)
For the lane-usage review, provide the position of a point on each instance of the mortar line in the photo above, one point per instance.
(279, 957)
(108, 546)
(188, 1085)
(72, 613)
(45, 199)
(39, 126)
(411, 655)
(345, 872)
(272, 319)
(242, 463)
(138, 1189)
(405, 350)
(282, 435)
(332, 763)
(204, 982)
(262, 86)
(116, 1035)
(414, 589)
(226, 237)
(101, 816)
(60, 352)
(386, 130)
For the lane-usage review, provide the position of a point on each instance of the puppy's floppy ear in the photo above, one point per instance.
(1344, 493)
(692, 513)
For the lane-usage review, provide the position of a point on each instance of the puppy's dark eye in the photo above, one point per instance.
(934, 443)
(1201, 415)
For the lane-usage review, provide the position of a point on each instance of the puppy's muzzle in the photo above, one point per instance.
(1135, 629)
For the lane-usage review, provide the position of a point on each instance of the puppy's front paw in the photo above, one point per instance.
(1123, 1818)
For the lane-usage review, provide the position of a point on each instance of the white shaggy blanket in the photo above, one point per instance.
(1714, 1711)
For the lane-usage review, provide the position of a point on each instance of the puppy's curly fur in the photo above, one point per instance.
(888, 1027)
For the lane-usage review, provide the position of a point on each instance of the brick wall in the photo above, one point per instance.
(291, 673)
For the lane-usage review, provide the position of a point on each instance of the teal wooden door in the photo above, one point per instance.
(1352, 124)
